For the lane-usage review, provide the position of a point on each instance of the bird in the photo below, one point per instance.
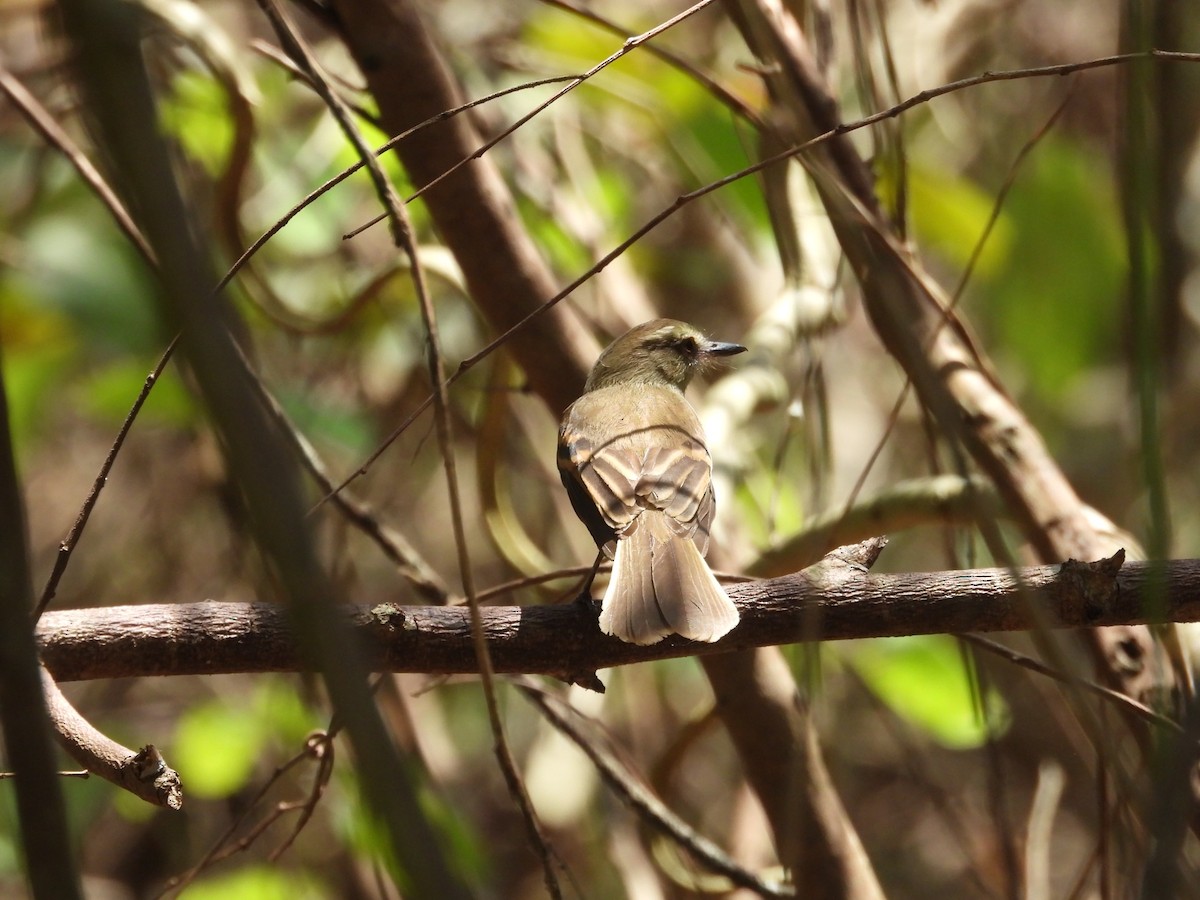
(633, 459)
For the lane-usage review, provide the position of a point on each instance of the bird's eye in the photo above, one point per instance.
(688, 347)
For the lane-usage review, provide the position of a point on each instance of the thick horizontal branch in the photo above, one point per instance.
(832, 600)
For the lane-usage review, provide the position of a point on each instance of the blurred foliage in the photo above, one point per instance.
(467, 850)
(926, 682)
(258, 883)
(195, 113)
(1054, 304)
(333, 328)
(220, 743)
(10, 850)
(951, 214)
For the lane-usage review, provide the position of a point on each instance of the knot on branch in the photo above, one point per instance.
(148, 776)
(845, 563)
(1090, 587)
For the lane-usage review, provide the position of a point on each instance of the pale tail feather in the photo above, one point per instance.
(661, 585)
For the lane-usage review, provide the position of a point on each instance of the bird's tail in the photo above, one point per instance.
(661, 585)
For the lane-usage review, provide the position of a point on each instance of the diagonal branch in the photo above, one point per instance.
(916, 324)
(42, 817)
(49, 128)
(106, 40)
(401, 230)
(144, 773)
(473, 208)
(643, 800)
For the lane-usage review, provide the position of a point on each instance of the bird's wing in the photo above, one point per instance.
(622, 480)
(574, 451)
(678, 481)
(609, 477)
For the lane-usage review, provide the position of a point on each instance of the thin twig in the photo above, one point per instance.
(652, 810)
(68, 544)
(253, 249)
(281, 59)
(1033, 665)
(41, 818)
(998, 204)
(411, 566)
(402, 236)
(630, 44)
(960, 288)
(920, 770)
(509, 587)
(53, 134)
(900, 108)
(392, 544)
(730, 99)
(684, 199)
(46, 125)
(1038, 832)
(317, 746)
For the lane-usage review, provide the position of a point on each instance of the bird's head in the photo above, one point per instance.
(664, 351)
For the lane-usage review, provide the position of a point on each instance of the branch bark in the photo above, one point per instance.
(112, 74)
(212, 638)
(920, 329)
(144, 772)
(764, 711)
(473, 209)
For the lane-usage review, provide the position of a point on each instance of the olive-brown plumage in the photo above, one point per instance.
(633, 459)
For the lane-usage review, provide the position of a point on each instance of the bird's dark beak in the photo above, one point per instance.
(720, 348)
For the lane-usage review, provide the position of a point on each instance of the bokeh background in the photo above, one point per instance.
(1013, 188)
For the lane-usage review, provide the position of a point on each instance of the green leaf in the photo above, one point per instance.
(195, 112)
(277, 704)
(1054, 304)
(30, 379)
(712, 144)
(465, 848)
(217, 746)
(924, 681)
(581, 43)
(11, 859)
(131, 808)
(772, 507)
(556, 242)
(950, 212)
(257, 883)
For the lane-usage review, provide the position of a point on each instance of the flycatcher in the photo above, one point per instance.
(632, 457)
